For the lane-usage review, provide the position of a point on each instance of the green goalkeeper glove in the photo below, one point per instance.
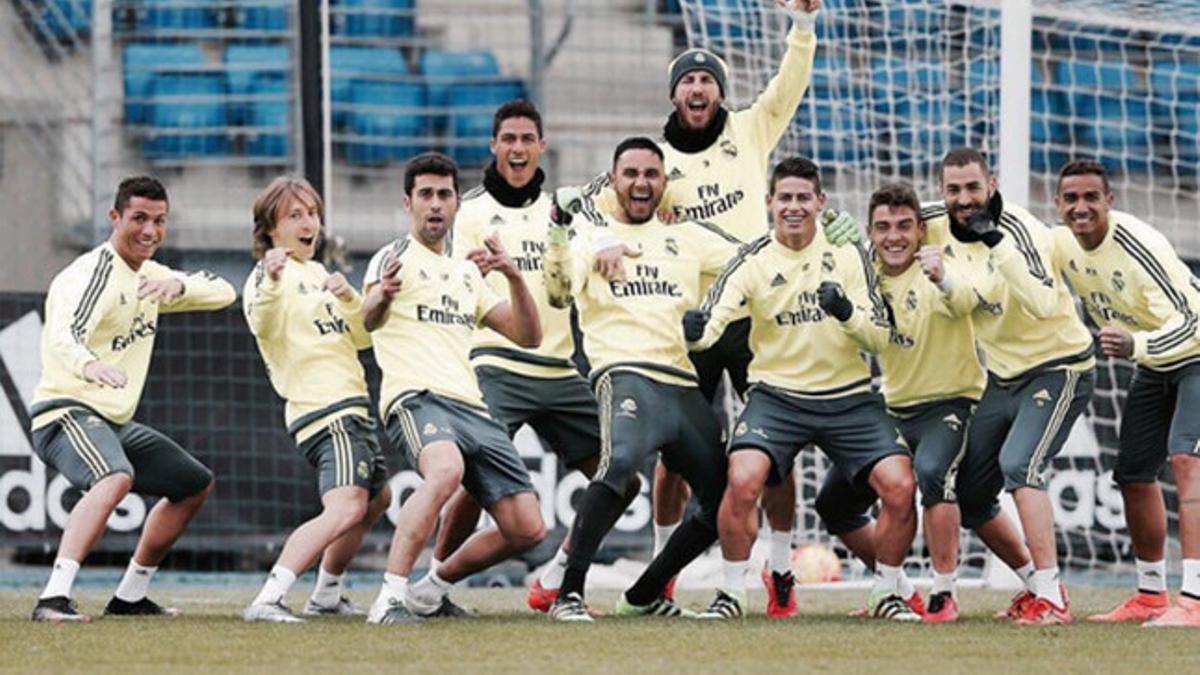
(840, 227)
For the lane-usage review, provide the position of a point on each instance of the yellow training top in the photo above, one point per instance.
(636, 324)
(796, 346)
(426, 338)
(93, 312)
(1134, 280)
(522, 231)
(309, 340)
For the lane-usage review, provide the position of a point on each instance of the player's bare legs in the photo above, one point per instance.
(737, 527)
(1146, 519)
(166, 521)
(941, 532)
(341, 551)
(1186, 610)
(518, 528)
(459, 519)
(441, 466)
(88, 518)
(669, 497)
(1037, 520)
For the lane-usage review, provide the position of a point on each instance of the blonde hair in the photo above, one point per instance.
(268, 203)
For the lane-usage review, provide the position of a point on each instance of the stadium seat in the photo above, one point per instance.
(67, 20)
(1175, 90)
(1111, 109)
(375, 18)
(177, 15)
(360, 64)
(270, 119)
(445, 71)
(181, 102)
(471, 118)
(248, 65)
(392, 113)
(262, 15)
(143, 62)
(1045, 130)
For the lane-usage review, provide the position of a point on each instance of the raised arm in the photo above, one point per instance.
(262, 297)
(177, 291)
(776, 105)
(382, 284)
(518, 318)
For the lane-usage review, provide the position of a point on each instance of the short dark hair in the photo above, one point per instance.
(517, 108)
(894, 195)
(637, 143)
(796, 167)
(429, 163)
(959, 157)
(1083, 167)
(146, 187)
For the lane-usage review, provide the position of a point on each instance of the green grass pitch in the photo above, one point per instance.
(210, 637)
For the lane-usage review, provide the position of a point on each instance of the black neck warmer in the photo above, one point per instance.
(508, 195)
(692, 141)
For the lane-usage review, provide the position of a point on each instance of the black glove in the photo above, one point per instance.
(983, 225)
(694, 322)
(833, 300)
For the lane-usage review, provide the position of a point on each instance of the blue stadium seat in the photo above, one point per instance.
(270, 118)
(375, 18)
(360, 64)
(183, 102)
(67, 20)
(1045, 129)
(473, 108)
(177, 15)
(143, 62)
(1110, 108)
(392, 112)
(445, 71)
(247, 65)
(262, 15)
(1175, 88)
(737, 21)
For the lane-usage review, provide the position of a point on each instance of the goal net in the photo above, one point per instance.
(897, 84)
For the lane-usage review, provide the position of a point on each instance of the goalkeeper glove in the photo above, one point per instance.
(694, 322)
(567, 201)
(840, 227)
(833, 300)
(804, 20)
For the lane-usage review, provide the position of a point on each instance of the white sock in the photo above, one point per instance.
(1026, 573)
(135, 583)
(426, 595)
(278, 582)
(552, 576)
(905, 585)
(434, 563)
(1046, 585)
(735, 577)
(944, 583)
(328, 589)
(392, 590)
(887, 579)
(661, 534)
(1191, 578)
(1151, 576)
(62, 578)
(781, 550)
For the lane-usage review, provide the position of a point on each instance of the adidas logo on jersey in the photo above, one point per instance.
(953, 422)
(496, 220)
(778, 281)
(675, 174)
(1042, 397)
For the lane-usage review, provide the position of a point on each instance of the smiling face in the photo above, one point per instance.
(1083, 202)
(518, 149)
(432, 205)
(697, 98)
(966, 189)
(297, 226)
(896, 232)
(639, 180)
(794, 204)
(138, 230)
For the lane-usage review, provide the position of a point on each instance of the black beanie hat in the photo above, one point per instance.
(698, 59)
